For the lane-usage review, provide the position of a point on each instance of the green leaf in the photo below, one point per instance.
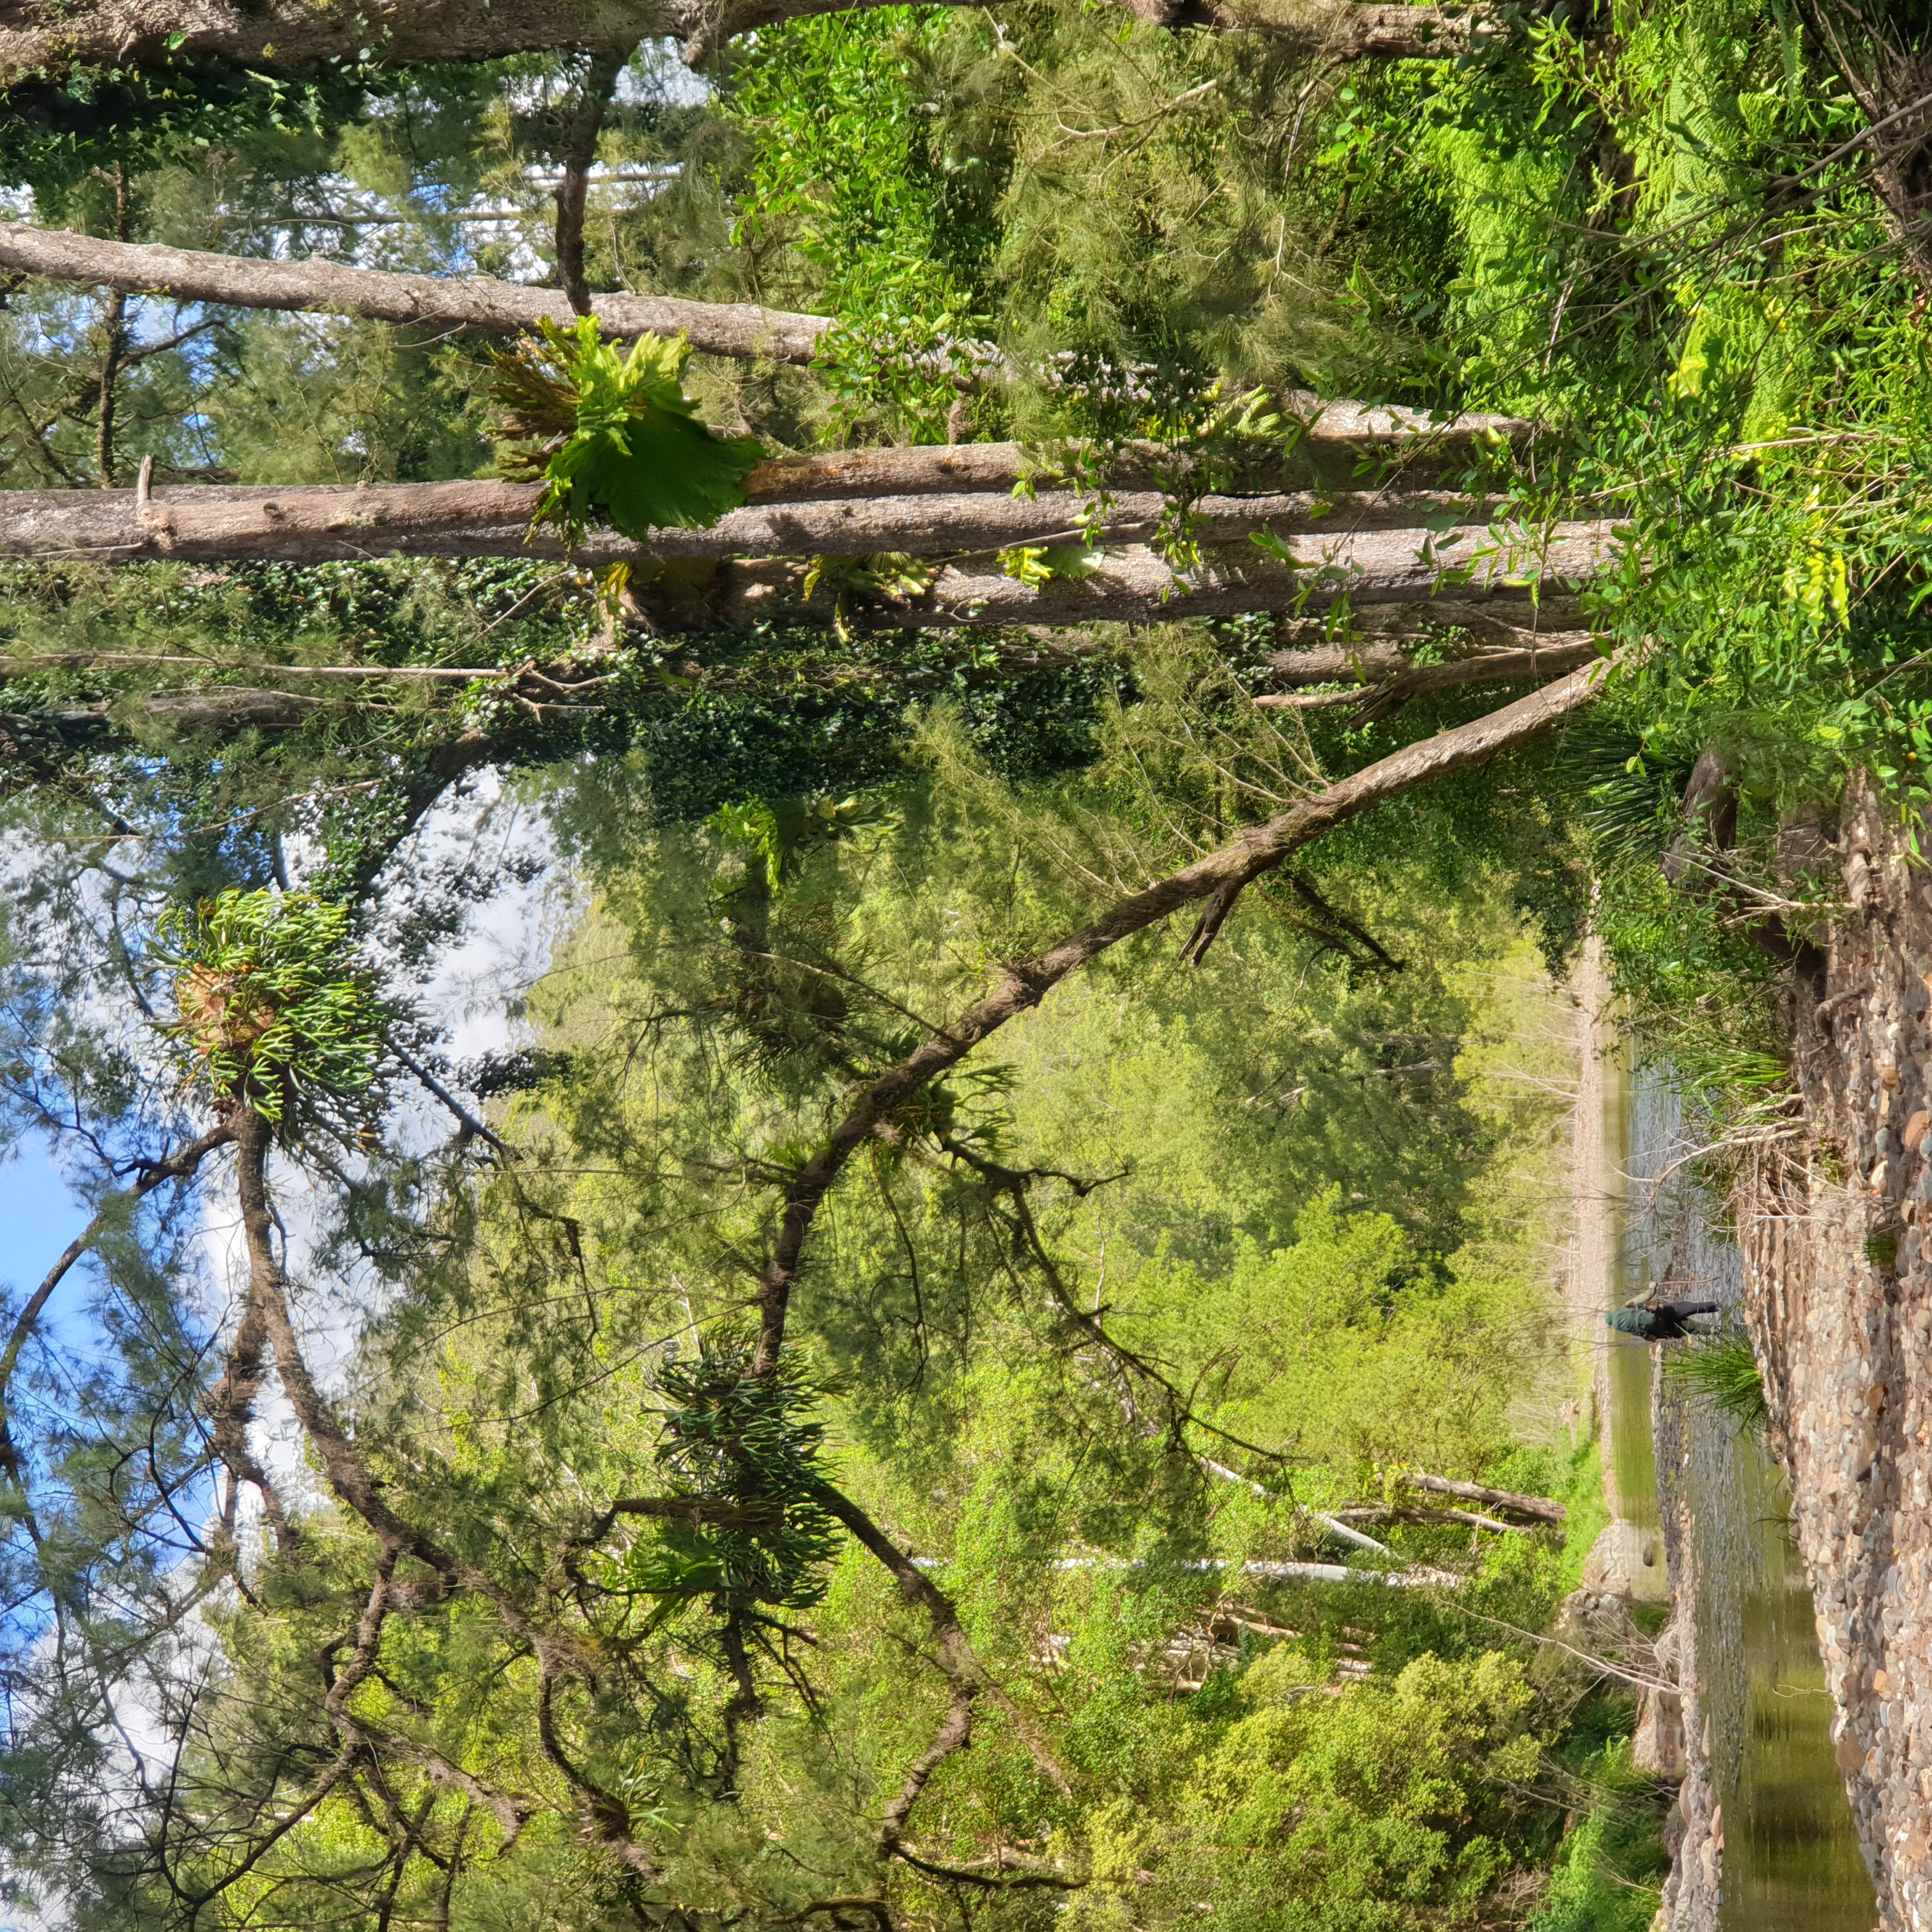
(624, 445)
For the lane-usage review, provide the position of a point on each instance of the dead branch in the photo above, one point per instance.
(1395, 1513)
(1541, 1508)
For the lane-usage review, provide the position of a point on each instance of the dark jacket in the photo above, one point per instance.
(1667, 1322)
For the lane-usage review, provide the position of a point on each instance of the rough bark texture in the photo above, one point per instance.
(1338, 438)
(436, 303)
(1836, 1235)
(1553, 657)
(1335, 33)
(45, 39)
(318, 523)
(315, 523)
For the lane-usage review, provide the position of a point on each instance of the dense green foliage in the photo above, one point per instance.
(265, 1000)
(561, 1613)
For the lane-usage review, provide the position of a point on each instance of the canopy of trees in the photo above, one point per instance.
(1073, 609)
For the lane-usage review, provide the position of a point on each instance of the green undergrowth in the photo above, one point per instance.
(1608, 1872)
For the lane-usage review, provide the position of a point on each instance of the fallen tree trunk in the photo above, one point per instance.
(1134, 585)
(1553, 657)
(1380, 649)
(316, 524)
(1334, 439)
(1541, 1508)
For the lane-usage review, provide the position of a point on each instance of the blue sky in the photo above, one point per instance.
(38, 1216)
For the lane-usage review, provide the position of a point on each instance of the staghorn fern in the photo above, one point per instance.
(265, 1005)
(616, 440)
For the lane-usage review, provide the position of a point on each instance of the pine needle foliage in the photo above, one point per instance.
(617, 441)
(264, 1004)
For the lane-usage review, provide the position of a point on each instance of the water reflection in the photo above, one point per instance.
(1791, 1856)
(1791, 1859)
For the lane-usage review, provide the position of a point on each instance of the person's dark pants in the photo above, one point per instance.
(1673, 1318)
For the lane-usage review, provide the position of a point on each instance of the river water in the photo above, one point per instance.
(1791, 1861)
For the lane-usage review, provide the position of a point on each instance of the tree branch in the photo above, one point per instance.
(171, 1167)
(605, 1817)
(955, 1657)
(436, 303)
(1023, 985)
(579, 151)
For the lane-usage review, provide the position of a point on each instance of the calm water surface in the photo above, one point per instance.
(1791, 1858)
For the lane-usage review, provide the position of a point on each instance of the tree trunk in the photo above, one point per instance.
(435, 303)
(578, 155)
(42, 41)
(318, 523)
(114, 344)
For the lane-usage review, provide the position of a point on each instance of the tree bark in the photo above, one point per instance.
(321, 524)
(42, 41)
(1334, 439)
(439, 303)
(1219, 878)
(1541, 1508)
(326, 523)
(1335, 33)
(1554, 657)
(579, 153)
(1380, 651)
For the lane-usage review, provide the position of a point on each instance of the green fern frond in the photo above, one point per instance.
(615, 440)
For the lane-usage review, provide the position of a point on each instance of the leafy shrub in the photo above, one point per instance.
(1369, 1811)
